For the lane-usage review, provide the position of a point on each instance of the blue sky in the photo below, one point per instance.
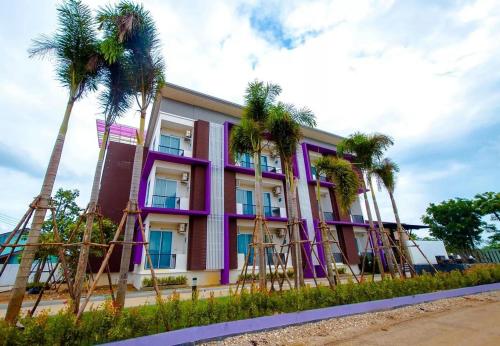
(425, 72)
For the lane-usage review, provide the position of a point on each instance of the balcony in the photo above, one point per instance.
(271, 169)
(272, 211)
(357, 218)
(328, 215)
(162, 261)
(170, 150)
(245, 209)
(170, 202)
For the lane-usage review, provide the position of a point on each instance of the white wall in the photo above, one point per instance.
(431, 249)
(170, 171)
(9, 275)
(177, 126)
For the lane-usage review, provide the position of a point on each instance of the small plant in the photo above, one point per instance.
(166, 281)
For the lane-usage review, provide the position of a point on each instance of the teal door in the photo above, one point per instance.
(267, 204)
(165, 195)
(160, 249)
(244, 239)
(170, 145)
(245, 198)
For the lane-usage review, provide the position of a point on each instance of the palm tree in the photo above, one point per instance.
(284, 127)
(74, 48)
(134, 29)
(368, 149)
(115, 100)
(385, 172)
(346, 181)
(248, 137)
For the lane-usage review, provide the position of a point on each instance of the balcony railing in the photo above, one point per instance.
(272, 169)
(162, 261)
(357, 218)
(170, 202)
(271, 211)
(171, 150)
(328, 215)
(248, 209)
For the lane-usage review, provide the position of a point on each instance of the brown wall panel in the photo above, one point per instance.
(115, 182)
(201, 135)
(229, 192)
(198, 188)
(233, 244)
(197, 243)
(314, 202)
(348, 243)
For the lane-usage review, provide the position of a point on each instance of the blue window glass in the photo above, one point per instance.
(170, 145)
(244, 239)
(165, 194)
(160, 248)
(267, 204)
(245, 160)
(245, 198)
(263, 164)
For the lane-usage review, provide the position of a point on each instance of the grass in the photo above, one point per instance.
(107, 324)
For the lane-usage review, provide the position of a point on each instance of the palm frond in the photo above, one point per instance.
(341, 172)
(385, 173)
(259, 97)
(367, 149)
(284, 130)
(303, 116)
(244, 138)
(74, 47)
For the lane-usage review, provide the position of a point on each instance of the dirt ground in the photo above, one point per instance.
(469, 320)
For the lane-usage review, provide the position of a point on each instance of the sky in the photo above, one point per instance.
(426, 73)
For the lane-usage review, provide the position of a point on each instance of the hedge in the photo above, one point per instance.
(166, 281)
(107, 324)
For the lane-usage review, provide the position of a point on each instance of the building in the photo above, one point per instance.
(198, 203)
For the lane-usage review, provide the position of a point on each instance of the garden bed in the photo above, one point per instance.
(105, 324)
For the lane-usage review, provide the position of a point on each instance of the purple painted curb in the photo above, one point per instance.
(226, 329)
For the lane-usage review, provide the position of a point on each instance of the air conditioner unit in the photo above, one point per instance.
(188, 134)
(280, 232)
(185, 177)
(277, 190)
(182, 228)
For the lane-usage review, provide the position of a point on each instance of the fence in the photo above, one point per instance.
(481, 256)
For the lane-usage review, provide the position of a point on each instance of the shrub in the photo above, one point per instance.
(107, 324)
(166, 281)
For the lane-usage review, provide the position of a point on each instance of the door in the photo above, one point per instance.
(267, 204)
(160, 249)
(170, 145)
(165, 195)
(244, 239)
(245, 197)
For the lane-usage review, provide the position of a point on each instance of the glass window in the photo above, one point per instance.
(244, 240)
(160, 248)
(263, 163)
(245, 197)
(170, 145)
(245, 160)
(267, 204)
(165, 194)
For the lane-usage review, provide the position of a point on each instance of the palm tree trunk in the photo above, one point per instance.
(327, 249)
(17, 295)
(403, 236)
(387, 246)
(131, 218)
(372, 229)
(87, 235)
(259, 217)
(293, 219)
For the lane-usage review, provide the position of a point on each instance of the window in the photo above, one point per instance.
(267, 204)
(244, 241)
(160, 247)
(263, 164)
(245, 160)
(170, 145)
(245, 198)
(314, 174)
(165, 194)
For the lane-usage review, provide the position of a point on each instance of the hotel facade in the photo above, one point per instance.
(197, 202)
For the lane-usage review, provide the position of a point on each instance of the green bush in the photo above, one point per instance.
(255, 277)
(107, 324)
(166, 281)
